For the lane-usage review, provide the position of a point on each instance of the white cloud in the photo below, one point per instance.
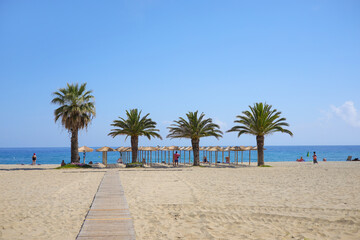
(348, 113)
(221, 124)
(167, 123)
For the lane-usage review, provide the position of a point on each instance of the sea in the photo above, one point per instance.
(54, 155)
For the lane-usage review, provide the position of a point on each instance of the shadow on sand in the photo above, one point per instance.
(24, 169)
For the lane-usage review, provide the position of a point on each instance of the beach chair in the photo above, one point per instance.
(349, 158)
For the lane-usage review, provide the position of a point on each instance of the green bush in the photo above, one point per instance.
(75, 165)
(134, 165)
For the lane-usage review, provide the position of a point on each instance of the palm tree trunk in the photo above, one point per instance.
(260, 147)
(134, 148)
(195, 146)
(74, 146)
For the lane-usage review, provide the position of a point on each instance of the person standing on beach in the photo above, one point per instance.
(176, 159)
(34, 159)
(314, 158)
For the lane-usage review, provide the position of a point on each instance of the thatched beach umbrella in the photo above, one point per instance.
(222, 150)
(242, 149)
(249, 148)
(120, 150)
(172, 148)
(188, 149)
(156, 150)
(181, 149)
(161, 153)
(210, 149)
(128, 151)
(215, 149)
(104, 151)
(141, 153)
(228, 149)
(236, 150)
(85, 149)
(148, 153)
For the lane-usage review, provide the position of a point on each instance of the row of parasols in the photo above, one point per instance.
(163, 154)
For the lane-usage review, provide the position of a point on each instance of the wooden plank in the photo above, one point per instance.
(109, 216)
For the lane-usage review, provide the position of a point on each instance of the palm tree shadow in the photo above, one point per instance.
(181, 166)
(226, 166)
(23, 169)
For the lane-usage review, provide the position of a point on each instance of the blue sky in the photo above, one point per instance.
(171, 57)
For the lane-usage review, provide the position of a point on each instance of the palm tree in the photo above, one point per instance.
(194, 128)
(75, 112)
(135, 126)
(261, 120)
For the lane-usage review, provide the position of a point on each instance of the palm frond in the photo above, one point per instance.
(260, 121)
(76, 110)
(195, 127)
(135, 125)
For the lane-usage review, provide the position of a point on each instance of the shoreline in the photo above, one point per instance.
(54, 164)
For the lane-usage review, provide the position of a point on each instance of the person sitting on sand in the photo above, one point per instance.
(300, 160)
(119, 160)
(63, 163)
(227, 159)
(205, 159)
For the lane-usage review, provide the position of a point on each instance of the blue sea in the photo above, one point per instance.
(272, 154)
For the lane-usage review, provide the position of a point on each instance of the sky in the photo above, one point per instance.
(171, 57)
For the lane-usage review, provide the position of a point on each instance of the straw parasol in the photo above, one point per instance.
(171, 148)
(188, 149)
(120, 150)
(255, 148)
(213, 149)
(248, 148)
(127, 151)
(104, 151)
(227, 149)
(150, 149)
(85, 149)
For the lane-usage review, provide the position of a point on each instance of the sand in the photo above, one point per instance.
(286, 201)
(37, 202)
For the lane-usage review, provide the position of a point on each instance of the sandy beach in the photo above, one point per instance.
(286, 201)
(39, 202)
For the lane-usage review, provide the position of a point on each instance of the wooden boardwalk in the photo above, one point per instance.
(109, 216)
